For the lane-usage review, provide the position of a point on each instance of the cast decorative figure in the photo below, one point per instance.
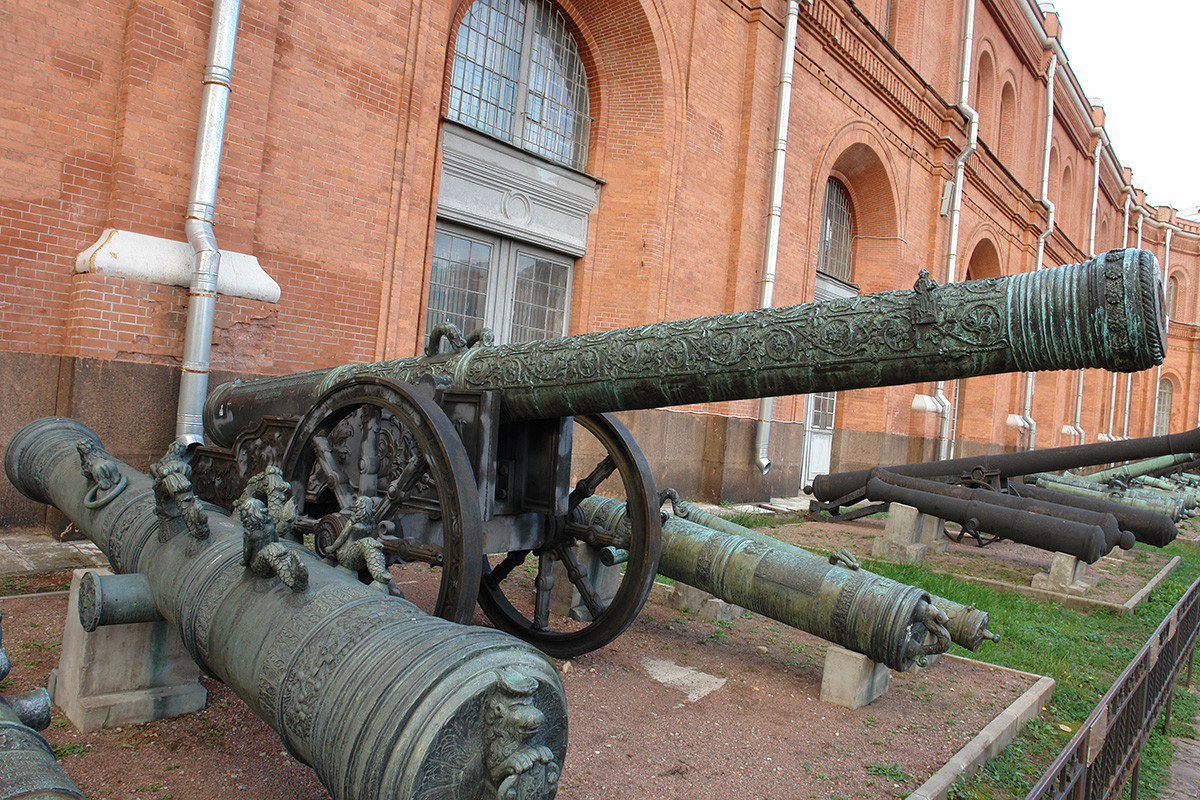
(175, 503)
(357, 549)
(105, 480)
(516, 767)
(262, 552)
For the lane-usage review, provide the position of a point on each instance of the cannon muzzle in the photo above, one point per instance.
(1107, 313)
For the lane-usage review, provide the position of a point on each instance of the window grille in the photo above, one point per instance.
(517, 75)
(837, 224)
(481, 280)
(1162, 409)
(458, 282)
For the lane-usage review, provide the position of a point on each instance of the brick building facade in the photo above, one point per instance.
(352, 161)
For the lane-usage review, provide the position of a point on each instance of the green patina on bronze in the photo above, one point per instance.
(380, 699)
(1104, 313)
(968, 626)
(28, 768)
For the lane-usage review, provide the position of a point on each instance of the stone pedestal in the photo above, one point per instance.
(851, 679)
(1067, 575)
(702, 604)
(909, 535)
(565, 598)
(122, 674)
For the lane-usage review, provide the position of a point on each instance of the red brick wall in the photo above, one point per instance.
(330, 172)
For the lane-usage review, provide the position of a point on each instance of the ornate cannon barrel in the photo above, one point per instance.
(968, 626)
(1106, 312)
(379, 698)
(28, 768)
(887, 621)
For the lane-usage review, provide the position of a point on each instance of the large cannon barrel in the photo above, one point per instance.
(890, 622)
(379, 698)
(1106, 312)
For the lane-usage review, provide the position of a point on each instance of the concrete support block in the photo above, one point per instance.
(851, 679)
(565, 598)
(1067, 575)
(933, 533)
(703, 604)
(122, 674)
(908, 535)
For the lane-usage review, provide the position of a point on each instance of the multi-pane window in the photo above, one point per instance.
(837, 225)
(478, 280)
(823, 405)
(517, 75)
(1162, 409)
(1172, 292)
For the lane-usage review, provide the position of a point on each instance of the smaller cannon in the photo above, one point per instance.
(476, 461)
(28, 768)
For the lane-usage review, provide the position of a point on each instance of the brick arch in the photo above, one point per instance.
(1006, 139)
(985, 91)
(858, 158)
(984, 262)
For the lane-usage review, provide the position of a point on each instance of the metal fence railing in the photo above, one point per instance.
(1105, 753)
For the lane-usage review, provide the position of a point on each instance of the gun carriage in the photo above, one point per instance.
(476, 460)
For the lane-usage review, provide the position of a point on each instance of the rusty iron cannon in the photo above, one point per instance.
(379, 698)
(475, 461)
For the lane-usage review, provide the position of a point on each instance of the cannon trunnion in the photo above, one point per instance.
(475, 461)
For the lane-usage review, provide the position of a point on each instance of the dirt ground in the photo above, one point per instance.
(763, 733)
(635, 732)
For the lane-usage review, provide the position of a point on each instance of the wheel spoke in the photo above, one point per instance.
(511, 561)
(368, 453)
(407, 482)
(544, 584)
(588, 486)
(327, 466)
(580, 579)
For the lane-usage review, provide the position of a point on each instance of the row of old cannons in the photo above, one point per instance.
(274, 551)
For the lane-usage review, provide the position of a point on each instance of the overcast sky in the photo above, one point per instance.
(1141, 60)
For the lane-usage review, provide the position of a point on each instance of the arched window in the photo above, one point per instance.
(1172, 293)
(1008, 124)
(1162, 409)
(984, 87)
(837, 228)
(513, 203)
(517, 75)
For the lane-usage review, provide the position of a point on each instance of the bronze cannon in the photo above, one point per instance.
(379, 698)
(475, 461)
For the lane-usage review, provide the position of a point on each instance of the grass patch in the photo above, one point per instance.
(11, 585)
(1084, 652)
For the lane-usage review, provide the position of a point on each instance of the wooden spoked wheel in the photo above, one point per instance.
(519, 588)
(376, 438)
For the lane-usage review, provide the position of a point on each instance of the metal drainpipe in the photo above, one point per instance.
(1129, 377)
(946, 433)
(1027, 415)
(1112, 414)
(197, 224)
(1166, 265)
(1077, 427)
(762, 436)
